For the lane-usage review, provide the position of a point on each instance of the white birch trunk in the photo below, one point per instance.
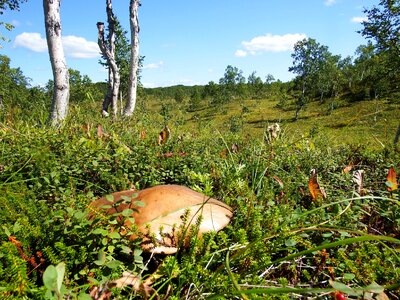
(115, 82)
(132, 88)
(59, 104)
(114, 77)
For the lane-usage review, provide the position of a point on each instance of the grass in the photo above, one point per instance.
(280, 244)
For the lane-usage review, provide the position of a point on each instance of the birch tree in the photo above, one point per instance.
(134, 64)
(108, 51)
(59, 104)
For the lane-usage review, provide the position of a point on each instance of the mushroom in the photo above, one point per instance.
(165, 214)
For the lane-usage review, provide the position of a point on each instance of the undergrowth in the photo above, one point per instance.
(280, 243)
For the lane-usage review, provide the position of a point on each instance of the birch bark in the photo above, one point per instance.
(108, 52)
(113, 70)
(59, 104)
(134, 64)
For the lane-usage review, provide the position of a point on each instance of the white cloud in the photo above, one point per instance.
(32, 41)
(271, 43)
(74, 46)
(79, 47)
(240, 53)
(330, 2)
(154, 65)
(359, 19)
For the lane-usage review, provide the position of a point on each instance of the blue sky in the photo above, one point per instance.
(189, 41)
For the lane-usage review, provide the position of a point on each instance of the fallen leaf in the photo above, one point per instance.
(168, 154)
(313, 185)
(391, 180)
(358, 179)
(348, 169)
(235, 148)
(86, 128)
(143, 134)
(127, 279)
(163, 136)
(278, 180)
(100, 131)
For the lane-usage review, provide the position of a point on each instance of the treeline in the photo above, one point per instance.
(321, 75)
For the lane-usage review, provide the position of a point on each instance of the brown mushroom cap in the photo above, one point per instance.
(162, 214)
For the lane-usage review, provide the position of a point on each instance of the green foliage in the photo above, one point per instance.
(277, 237)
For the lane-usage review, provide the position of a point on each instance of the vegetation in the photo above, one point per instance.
(282, 242)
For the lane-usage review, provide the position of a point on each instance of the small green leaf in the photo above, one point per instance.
(348, 276)
(113, 264)
(60, 275)
(126, 249)
(6, 231)
(290, 243)
(341, 287)
(101, 258)
(374, 288)
(137, 252)
(126, 199)
(114, 235)
(100, 231)
(110, 198)
(106, 206)
(139, 203)
(83, 296)
(79, 215)
(127, 212)
(50, 278)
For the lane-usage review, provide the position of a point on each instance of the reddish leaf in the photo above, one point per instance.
(168, 154)
(313, 185)
(143, 134)
(391, 180)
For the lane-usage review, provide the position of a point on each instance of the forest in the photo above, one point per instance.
(308, 170)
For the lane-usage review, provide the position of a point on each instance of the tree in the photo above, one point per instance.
(232, 84)
(308, 60)
(328, 75)
(134, 65)
(371, 70)
(256, 85)
(59, 104)
(14, 84)
(11, 5)
(108, 50)
(383, 25)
